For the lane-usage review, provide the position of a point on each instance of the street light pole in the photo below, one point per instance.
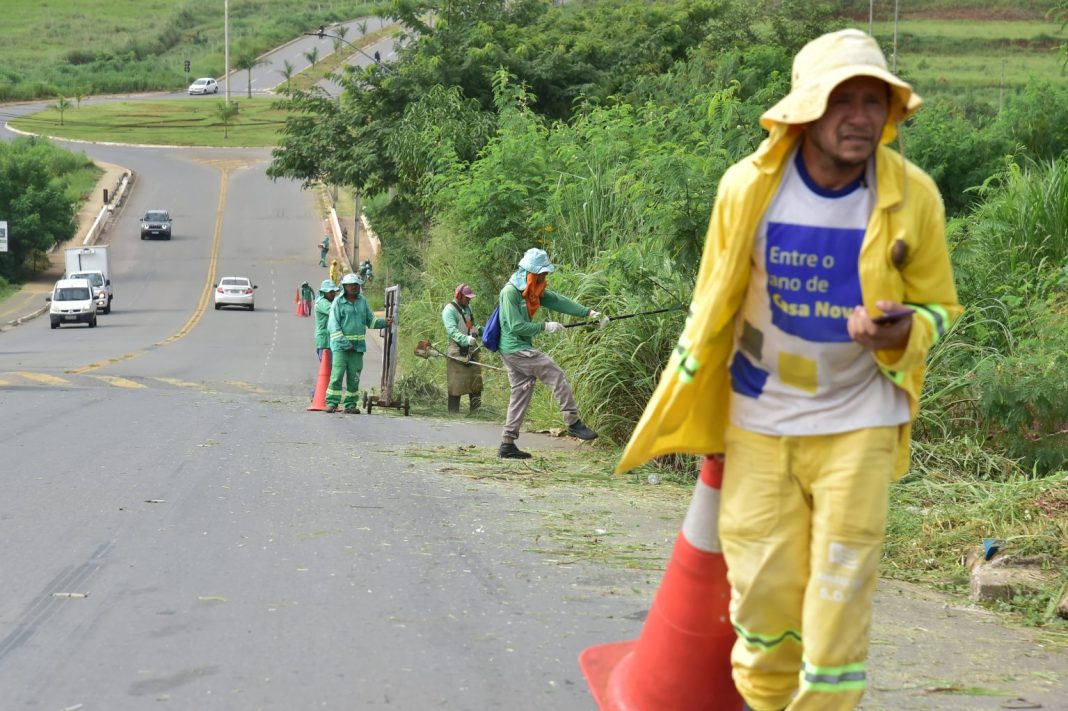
(322, 34)
(356, 232)
(897, 4)
(226, 46)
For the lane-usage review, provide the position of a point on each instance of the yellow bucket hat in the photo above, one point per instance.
(826, 62)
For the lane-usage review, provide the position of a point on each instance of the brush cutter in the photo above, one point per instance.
(680, 307)
(424, 349)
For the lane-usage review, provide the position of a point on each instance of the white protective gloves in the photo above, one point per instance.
(601, 319)
(553, 327)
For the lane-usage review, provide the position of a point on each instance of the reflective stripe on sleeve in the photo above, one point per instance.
(851, 677)
(763, 640)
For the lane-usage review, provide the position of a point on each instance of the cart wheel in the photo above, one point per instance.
(406, 407)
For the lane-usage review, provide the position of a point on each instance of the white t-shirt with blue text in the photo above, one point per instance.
(794, 370)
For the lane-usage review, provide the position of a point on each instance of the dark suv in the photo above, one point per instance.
(156, 223)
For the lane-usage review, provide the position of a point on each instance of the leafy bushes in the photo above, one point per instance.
(34, 179)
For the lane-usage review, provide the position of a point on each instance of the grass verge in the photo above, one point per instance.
(82, 182)
(935, 520)
(173, 122)
(587, 513)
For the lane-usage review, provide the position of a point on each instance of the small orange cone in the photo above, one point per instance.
(682, 660)
(319, 400)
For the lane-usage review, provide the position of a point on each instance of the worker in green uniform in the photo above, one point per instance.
(324, 249)
(350, 317)
(520, 299)
(463, 378)
(327, 293)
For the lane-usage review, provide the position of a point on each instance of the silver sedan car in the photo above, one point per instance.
(235, 291)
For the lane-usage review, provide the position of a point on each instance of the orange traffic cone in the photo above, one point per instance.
(319, 399)
(681, 661)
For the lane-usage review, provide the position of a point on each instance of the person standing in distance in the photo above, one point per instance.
(462, 379)
(324, 249)
(824, 283)
(520, 298)
(327, 293)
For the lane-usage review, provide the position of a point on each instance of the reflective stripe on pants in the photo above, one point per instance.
(802, 523)
(346, 365)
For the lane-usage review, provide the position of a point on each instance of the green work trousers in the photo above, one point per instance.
(344, 363)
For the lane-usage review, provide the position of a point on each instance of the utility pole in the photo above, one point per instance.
(226, 46)
(356, 233)
(897, 4)
(871, 15)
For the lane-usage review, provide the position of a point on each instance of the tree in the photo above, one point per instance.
(247, 61)
(33, 200)
(312, 56)
(61, 106)
(340, 31)
(287, 72)
(361, 26)
(226, 112)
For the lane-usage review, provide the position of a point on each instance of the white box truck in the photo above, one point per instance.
(92, 263)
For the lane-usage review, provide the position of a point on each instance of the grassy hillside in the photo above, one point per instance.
(75, 47)
(971, 51)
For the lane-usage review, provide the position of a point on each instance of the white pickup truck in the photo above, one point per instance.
(94, 264)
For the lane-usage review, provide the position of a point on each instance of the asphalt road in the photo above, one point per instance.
(178, 532)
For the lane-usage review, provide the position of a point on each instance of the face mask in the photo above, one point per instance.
(535, 288)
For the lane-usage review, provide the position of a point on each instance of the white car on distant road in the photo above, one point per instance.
(235, 291)
(205, 85)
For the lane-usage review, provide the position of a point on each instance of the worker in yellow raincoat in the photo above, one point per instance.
(824, 283)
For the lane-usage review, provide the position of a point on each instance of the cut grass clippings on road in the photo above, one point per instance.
(587, 513)
(173, 122)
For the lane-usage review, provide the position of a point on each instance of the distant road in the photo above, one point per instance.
(268, 77)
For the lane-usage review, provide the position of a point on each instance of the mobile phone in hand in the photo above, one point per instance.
(892, 316)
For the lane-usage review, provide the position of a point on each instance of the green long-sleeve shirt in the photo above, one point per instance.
(517, 328)
(322, 319)
(455, 327)
(348, 324)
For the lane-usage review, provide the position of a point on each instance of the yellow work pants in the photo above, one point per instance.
(802, 522)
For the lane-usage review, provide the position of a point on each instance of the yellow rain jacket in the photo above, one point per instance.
(903, 258)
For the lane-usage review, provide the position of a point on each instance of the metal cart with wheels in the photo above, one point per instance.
(389, 359)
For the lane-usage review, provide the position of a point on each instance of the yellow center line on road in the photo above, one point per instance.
(181, 383)
(246, 386)
(205, 294)
(43, 378)
(119, 382)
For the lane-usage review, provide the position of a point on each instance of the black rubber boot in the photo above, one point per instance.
(454, 404)
(476, 402)
(580, 430)
(508, 450)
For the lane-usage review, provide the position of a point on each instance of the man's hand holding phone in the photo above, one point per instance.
(890, 331)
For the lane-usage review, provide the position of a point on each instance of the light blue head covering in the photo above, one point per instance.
(535, 261)
(328, 285)
(351, 278)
